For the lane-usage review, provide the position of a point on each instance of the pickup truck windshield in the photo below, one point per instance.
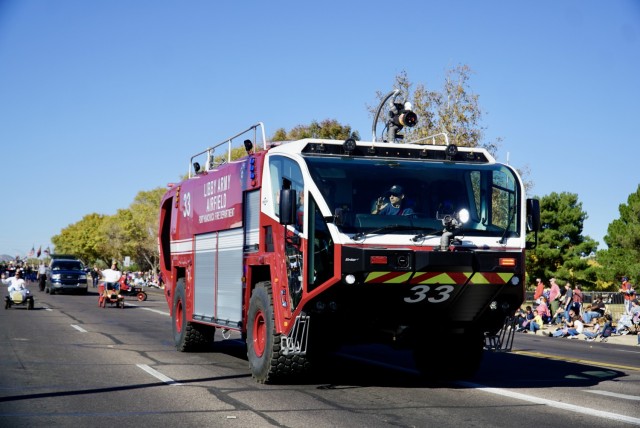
(366, 194)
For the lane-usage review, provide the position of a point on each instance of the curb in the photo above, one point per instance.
(626, 339)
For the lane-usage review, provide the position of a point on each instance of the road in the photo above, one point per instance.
(70, 363)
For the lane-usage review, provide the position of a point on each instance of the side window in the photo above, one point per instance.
(503, 201)
(286, 174)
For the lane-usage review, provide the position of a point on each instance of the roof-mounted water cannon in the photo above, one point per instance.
(400, 115)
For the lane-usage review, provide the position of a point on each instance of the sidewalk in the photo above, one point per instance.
(627, 339)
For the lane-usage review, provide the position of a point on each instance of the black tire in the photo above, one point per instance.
(7, 303)
(141, 296)
(262, 351)
(46, 290)
(450, 357)
(267, 361)
(30, 304)
(188, 336)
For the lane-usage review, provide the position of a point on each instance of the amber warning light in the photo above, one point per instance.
(378, 260)
(507, 262)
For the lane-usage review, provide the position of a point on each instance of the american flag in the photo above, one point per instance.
(32, 252)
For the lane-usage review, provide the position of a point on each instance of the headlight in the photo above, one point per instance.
(56, 276)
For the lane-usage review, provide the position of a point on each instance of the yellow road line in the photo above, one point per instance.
(576, 360)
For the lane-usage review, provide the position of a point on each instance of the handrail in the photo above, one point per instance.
(211, 150)
(432, 138)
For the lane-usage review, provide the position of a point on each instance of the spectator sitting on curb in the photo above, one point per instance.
(595, 310)
(536, 323)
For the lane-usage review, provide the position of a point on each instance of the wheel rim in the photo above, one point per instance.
(179, 316)
(259, 334)
(140, 297)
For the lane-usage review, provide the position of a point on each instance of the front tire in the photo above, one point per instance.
(262, 351)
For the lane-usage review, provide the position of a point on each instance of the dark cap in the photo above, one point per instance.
(395, 190)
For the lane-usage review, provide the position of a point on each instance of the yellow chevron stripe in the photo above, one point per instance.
(399, 279)
(371, 276)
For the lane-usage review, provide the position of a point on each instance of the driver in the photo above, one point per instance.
(111, 277)
(16, 283)
(396, 204)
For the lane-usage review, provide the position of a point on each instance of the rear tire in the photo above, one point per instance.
(142, 296)
(30, 304)
(188, 336)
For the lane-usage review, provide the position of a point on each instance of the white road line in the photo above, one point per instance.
(158, 375)
(614, 394)
(80, 329)
(552, 403)
(156, 311)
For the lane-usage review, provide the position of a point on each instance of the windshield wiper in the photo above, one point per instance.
(388, 228)
(428, 232)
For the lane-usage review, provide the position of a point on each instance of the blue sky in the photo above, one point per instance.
(102, 99)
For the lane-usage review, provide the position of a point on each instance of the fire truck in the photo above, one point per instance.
(289, 246)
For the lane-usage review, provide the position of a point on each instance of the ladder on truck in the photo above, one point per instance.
(502, 341)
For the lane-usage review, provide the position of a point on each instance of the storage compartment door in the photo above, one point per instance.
(229, 289)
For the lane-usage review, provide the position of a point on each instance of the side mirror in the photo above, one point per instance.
(533, 215)
(287, 207)
(533, 221)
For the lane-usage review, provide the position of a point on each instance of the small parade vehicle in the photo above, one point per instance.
(110, 293)
(16, 298)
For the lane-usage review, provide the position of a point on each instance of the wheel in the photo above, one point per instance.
(46, 290)
(122, 303)
(142, 296)
(187, 336)
(267, 361)
(7, 303)
(261, 337)
(30, 304)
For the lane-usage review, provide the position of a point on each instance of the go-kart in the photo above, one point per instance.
(15, 298)
(110, 293)
(128, 290)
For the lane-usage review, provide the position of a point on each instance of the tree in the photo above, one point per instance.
(622, 258)
(454, 110)
(82, 239)
(130, 232)
(561, 246)
(327, 129)
(144, 210)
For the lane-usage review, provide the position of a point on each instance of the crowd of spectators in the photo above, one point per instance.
(564, 313)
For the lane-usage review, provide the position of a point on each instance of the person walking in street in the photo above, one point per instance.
(42, 275)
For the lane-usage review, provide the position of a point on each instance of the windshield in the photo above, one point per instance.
(411, 196)
(67, 265)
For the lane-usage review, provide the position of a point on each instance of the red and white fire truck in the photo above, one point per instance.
(287, 246)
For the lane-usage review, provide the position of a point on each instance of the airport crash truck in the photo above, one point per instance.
(282, 246)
